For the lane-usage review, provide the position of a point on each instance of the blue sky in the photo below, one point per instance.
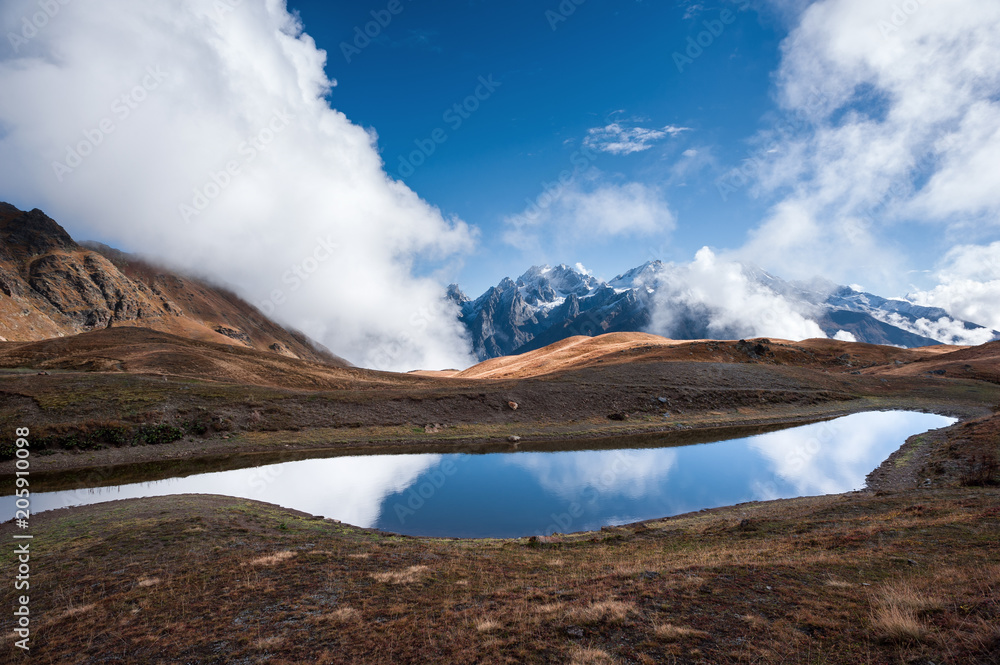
(607, 62)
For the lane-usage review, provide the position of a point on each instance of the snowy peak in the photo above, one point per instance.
(547, 286)
(457, 295)
(643, 277)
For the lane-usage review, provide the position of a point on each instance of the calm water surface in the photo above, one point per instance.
(529, 493)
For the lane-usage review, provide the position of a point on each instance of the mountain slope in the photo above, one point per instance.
(51, 286)
(635, 349)
(141, 351)
(546, 305)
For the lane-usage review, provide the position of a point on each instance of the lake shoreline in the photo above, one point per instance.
(72, 469)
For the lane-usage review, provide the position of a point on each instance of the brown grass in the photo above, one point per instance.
(907, 596)
(550, 608)
(897, 624)
(611, 611)
(267, 643)
(896, 610)
(671, 633)
(487, 626)
(78, 610)
(583, 656)
(272, 559)
(407, 576)
(344, 614)
(755, 621)
(837, 583)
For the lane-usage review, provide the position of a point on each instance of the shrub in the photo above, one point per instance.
(156, 434)
(982, 471)
(196, 427)
(96, 435)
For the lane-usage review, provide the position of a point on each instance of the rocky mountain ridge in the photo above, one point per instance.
(52, 286)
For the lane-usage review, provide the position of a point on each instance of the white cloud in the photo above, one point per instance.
(946, 330)
(892, 117)
(969, 285)
(349, 489)
(226, 78)
(719, 294)
(580, 213)
(845, 336)
(619, 140)
(835, 456)
(967, 182)
(629, 473)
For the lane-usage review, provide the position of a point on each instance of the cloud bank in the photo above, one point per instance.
(201, 133)
(969, 285)
(586, 212)
(891, 124)
(716, 296)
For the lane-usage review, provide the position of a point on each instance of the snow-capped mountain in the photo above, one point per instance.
(547, 304)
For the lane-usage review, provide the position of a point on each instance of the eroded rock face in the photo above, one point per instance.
(90, 292)
(238, 335)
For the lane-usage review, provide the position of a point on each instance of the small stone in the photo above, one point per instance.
(512, 405)
(513, 439)
(574, 631)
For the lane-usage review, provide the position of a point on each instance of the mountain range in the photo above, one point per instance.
(52, 286)
(547, 304)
